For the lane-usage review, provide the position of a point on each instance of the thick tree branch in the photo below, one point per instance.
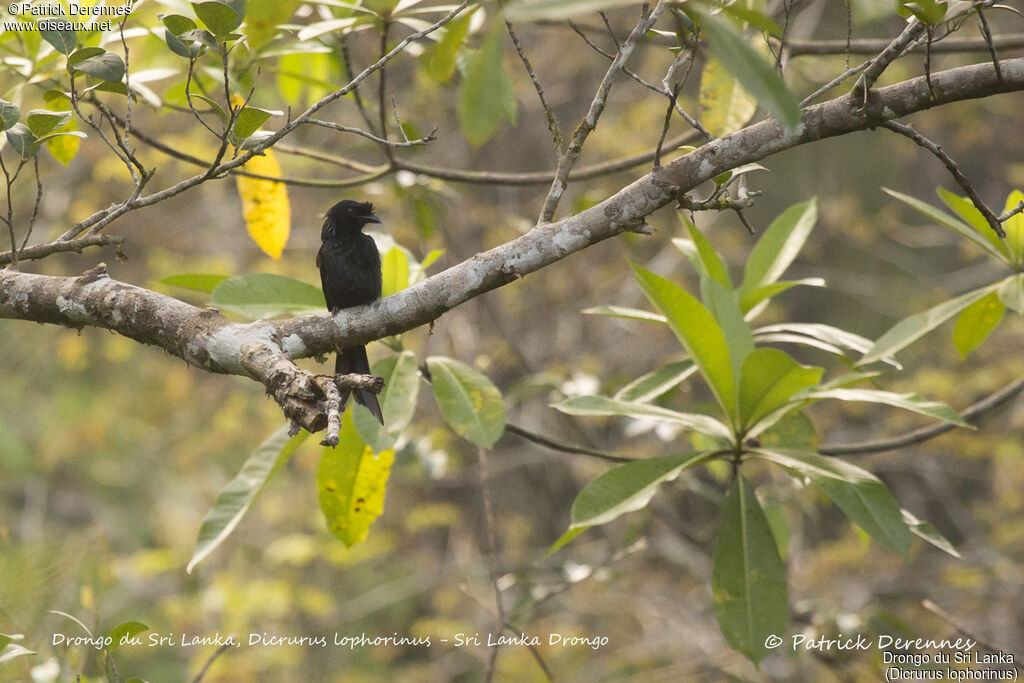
(204, 338)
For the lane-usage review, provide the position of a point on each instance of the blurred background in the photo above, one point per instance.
(111, 453)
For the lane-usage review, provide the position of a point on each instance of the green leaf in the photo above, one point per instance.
(967, 211)
(653, 384)
(63, 145)
(793, 430)
(832, 339)
(738, 337)
(912, 328)
(105, 66)
(486, 94)
(779, 245)
(264, 18)
(9, 114)
(265, 295)
(63, 40)
(397, 401)
(725, 105)
(237, 497)
(911, 402)
(1014, 228)
(698, 331)
(928, 11)
(440, 60)
(1011, 292)
(929, 533)
(604, 406)
(755, 74)
(752, 297)
(707, 262)
(22, 140)
(623, 489)
(862, 497)
(220, 16)
(395, 271)
(122, 633)
(530, 10)
(976, 323)
(748, 578)
(627, 313)
(352, 481)
(770, 378)
(250, 119)
(214, 105)
(41, 121)
(957, 226)
(468, 401)
(199, 282)
(177, 24)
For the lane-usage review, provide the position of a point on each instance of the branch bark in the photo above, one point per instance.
(204, 338)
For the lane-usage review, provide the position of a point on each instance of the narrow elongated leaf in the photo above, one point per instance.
(967, 211)
(862, 497)
(486, 94)
(199, 282)
(1011, 292)
(440, 60)
(754, 73)
(726, 311)
(976, 323)
(725, 105)
(237, 497)
(910, 329)
(769, 380)
(265, 295)
(912, 402)
(752, 297)
(468, 401)
(623, 489)
(779, 245)
(13, 650)
(397, 401)
(698, 331)
(748, 578)
(957, 226)
(929, 533)
(708, 262)
(352, 481)
(650, 386)
(604, 406)
(626, 312)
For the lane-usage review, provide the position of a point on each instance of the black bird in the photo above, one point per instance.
(350, 274)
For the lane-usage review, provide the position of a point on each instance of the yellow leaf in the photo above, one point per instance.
(351, 481)
(265, 204)
(726, 106)
(64, 147)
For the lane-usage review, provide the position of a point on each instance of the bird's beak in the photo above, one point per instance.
(371, 219)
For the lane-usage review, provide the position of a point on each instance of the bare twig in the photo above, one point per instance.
(886, 57)
(589, 123)
(564, 448)
(370, 136)
(665, 126)
(209, 662)
(990, 402)
(987, 36)
(549, 112)
(39, 251)
(491, 551)
(951, 166)
(871, 46)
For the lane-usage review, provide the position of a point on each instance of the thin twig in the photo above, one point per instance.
(38, 251)
(920, 435)
(209, 662)
(36, 206)
(886, 57)
(665, 125)
(549, 112)
(954, 170)
(563, 447)
(987, 36)
(962, 630)
(370, 136)
(589, 123)
(492, 552)
(871, 46)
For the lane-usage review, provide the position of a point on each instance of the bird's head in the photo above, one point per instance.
(348, 216)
